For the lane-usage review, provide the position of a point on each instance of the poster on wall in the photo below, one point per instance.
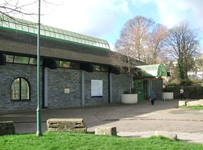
(96, 88)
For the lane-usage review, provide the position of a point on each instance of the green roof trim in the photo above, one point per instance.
(157, 70)
(51, 32)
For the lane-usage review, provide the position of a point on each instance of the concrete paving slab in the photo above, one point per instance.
(190, 137)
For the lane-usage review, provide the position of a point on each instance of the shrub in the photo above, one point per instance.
(168, 89)
(193, 91)
(171, 84)
(133, 91)
(196, 81)
(186, 82)
(201, 85)
(175, 81)
(126, 92)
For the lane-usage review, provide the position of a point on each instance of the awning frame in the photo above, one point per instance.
(153, 71)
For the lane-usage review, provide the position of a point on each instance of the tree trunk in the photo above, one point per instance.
(181, 74)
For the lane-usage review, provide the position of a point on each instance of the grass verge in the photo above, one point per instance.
(192, 107)
(84, 141)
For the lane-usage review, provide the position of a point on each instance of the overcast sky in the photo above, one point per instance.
(105, 18)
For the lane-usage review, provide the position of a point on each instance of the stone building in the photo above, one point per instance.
(76, 70)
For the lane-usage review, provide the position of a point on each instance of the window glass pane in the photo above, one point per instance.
(104, 68)
(57, 62)
(67, 37)
(97, 67)
(12, 25)
(42, 32)
(15, 89)
(57, 35)
(75, 65)
(52, 34)
(25, 28)
(33, 61)
(21, 59)
(6, 25)
(65, 64)
(74, 39)
(9, 58)
(24, 89)
(31, 29)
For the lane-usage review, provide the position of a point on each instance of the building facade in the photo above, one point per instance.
(76, 70)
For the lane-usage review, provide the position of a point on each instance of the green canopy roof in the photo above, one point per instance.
(51, 32)
(157, 70)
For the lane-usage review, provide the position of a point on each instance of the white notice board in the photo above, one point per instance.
(96, 88)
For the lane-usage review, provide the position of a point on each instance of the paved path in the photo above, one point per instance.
(140, 120)
(190, 137)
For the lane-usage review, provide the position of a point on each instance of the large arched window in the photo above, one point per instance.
(20, 89)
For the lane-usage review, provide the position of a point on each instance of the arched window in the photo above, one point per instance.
(20, 89)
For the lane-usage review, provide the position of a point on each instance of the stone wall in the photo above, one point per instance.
(157, 88)
(120, 83)
(9, 73)
(96, 76)
(7, 127)
(58, 80)
(62, 78)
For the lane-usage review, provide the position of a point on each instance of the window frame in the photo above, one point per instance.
(20, 92)
(101, 68)
(75, 65)
(23, 63)
(60, 62)
(97, 68)
(16, 61)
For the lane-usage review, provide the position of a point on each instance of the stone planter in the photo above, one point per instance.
(167, 95)
(129, 98)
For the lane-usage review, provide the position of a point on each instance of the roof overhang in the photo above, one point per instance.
(27, 27)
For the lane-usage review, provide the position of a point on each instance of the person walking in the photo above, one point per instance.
(152, 97)
(181, 93)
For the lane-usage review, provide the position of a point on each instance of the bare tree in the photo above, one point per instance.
(124, 49)
(142, 39)
(126, 65)
(183, 44)
(156, 45)
(134, 38)
(20, 8)
(13, 7)
(199, 62)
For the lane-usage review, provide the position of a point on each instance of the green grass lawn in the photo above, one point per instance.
(84, 141)
(192, 107)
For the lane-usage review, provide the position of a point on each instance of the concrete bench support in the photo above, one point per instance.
(7, 127)
(166, 134)
(195, 103)
(106, 131)
(65, 125)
